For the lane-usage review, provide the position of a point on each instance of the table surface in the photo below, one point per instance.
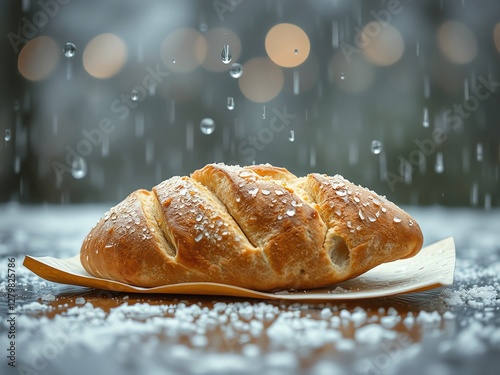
(61, 329)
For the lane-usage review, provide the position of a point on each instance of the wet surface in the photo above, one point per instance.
(62, 329)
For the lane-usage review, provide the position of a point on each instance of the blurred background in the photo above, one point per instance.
(99, 98)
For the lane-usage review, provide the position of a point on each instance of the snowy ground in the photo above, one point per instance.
(64, 329)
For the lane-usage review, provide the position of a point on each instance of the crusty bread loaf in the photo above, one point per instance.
(257, 227)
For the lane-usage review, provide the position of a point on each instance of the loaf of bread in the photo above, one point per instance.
(258, 227)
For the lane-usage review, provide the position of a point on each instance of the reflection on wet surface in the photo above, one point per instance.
(61, 329)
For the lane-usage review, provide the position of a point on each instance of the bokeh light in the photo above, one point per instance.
(104, 56)
(457, 42)
(287, 45)
(354, 76)
(383, 44)
(183, 50)
(262, 80)
(216, 38)
(38, 58)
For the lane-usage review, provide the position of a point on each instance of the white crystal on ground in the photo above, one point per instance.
(469, 342)
(199, 341)
(373, 334)
(80, 300)
(326, 313)
(358, 317)
(448, 315)
(176, 337)
(390, 321)
(48, 298)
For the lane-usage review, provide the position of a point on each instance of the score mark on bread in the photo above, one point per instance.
(258, 227)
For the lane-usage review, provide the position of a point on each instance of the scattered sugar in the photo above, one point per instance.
(373, 334)
(281, 360)
(345, 345)
(33, 307)
(326, 313)
(80, 300)
(48, 298)
(475, 296)
(199, 341)
(448, 315)
(409, 321)
(358, 317)
(250, 350)
(390, 321)
(426, 318)
(469, 341)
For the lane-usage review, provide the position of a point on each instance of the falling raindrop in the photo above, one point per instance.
(105, 146)
(69, 50)
(376, 147)
(487, 201)
(202, 26)
(439, 166)
(17, 164)
(8, 135)
(406, 170)
(296, 82)
(291, 138)
(172, 112)
(353, 153)
(425, 121)
(226, 54)
(335, 34)
(312, 157)
(139, 124)
(152, 90)
(78, 168)
(342, 76)
(466, 89)
(69, 70)
(135, 96)
(383, 166)
(150, 152)
(263, 112)
(422, 165)
(207, 126)
(479, 152)
(427, 87)
(189, 137)
(296, 51)
(465, 160)
(230, 103)
(474, 198)
(25, 5)
(236, 70)
(173, 61)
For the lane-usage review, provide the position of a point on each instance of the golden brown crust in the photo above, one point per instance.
(257, 227)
